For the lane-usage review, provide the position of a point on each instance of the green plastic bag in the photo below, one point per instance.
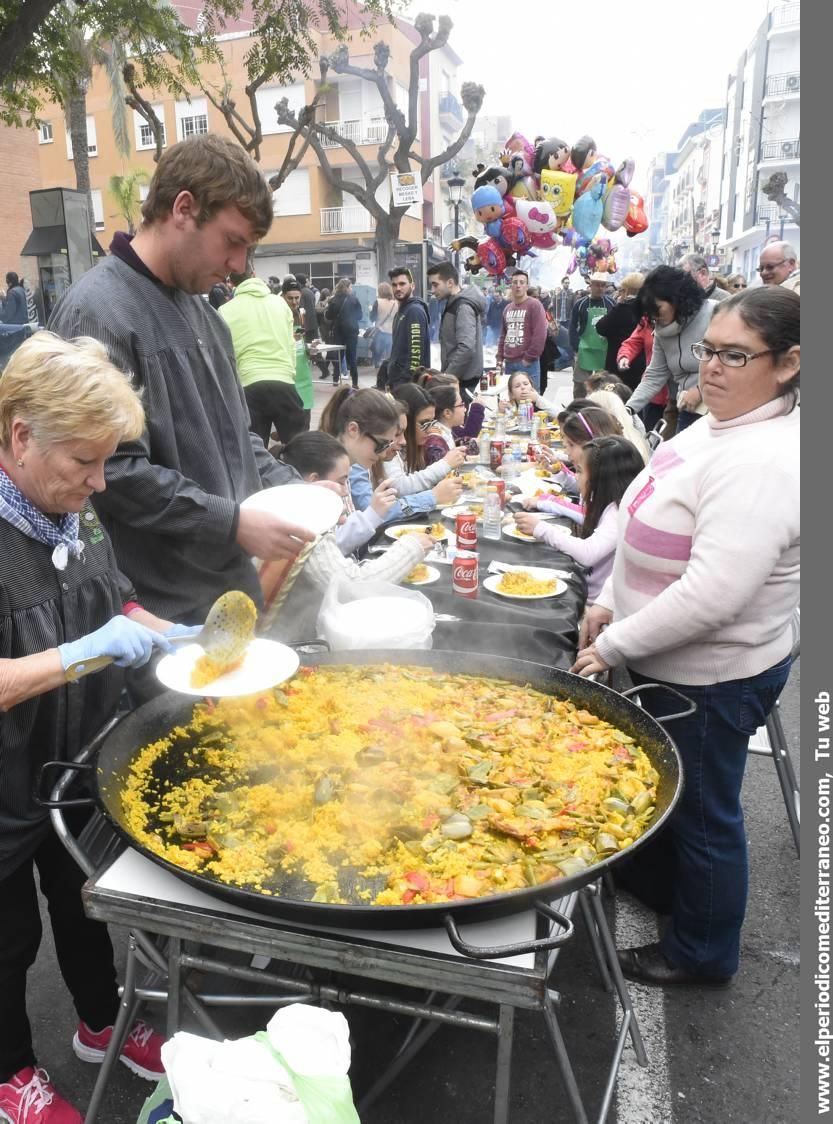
(159, 1107)
(326, 1100)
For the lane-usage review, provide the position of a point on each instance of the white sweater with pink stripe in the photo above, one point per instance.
(706, 575)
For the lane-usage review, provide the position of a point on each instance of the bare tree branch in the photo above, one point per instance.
(145, 110)
(472, 97)
(775, 190)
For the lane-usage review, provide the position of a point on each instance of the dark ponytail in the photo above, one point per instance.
(611, 464)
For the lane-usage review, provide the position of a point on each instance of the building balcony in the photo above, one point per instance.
(781, 151)
(346, 220)
(451, 112)
(787, 17)
(783, 85)
(372, 131)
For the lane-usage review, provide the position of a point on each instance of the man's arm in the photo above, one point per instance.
(574, 317)
(536, 333)
(458, 360)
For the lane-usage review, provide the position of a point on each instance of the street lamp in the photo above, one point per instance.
(455, 184)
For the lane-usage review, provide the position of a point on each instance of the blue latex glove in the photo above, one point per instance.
(192, 630)
(128, 643)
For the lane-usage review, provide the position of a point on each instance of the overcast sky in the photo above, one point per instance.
(631, 73)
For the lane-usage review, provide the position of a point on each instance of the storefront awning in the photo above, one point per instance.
(52, 240)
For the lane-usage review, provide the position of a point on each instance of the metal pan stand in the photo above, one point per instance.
(170, 922)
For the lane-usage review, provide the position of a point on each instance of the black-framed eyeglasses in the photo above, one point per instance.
(379, 445)
(772, 265)
(423, 425)
(728, 356)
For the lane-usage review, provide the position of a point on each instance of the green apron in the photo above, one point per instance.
(303, 375)
(592, 348)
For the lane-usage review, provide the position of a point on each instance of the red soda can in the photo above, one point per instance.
(464, 574)
(496, 454)
(492, 378)
(532, 450)
(484, 381)
(466, 528)
(500, 487)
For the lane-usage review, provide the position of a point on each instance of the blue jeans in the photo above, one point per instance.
(685, 419)
(566, 355)
(697, 869)
(532, 369)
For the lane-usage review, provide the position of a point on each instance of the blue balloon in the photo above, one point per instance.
(588, 210)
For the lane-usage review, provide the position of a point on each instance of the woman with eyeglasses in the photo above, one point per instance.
(366, 422)
(736, 282)
(701, 599)
(677, 306)
(419, 488)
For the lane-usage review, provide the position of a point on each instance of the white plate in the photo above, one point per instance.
(309, 505)
(493, 580)
(460, 509)
(396, 532)
(433, 576)
(512, 532)
(265, 664)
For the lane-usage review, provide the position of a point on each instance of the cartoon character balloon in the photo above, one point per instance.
(588, 210)
(558, 190)
(518, 156)
(601, 166)
(540, 220)
(552, 154)
(583, 152)
(616, 206)
(636, 220)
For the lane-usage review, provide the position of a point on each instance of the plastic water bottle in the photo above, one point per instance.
(525, 412)
(492, 515)
(483, 447)
(534, 428)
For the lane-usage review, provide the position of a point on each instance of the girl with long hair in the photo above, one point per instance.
(606, 469)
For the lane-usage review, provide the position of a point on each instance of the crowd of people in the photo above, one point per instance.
(133, 429)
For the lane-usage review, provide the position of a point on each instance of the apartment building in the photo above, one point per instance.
(763, 135)
(319, 229)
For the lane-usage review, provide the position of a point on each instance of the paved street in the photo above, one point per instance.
(726, 1056)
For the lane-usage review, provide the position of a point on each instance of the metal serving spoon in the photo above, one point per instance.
(228, 629)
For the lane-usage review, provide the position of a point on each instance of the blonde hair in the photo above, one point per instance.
(68, 390)
(610, 401)
(631, 284)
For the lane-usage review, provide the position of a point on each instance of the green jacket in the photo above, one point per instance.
(262, 333)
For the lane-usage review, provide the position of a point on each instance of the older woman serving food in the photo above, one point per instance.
(704, 586)
(63, 410)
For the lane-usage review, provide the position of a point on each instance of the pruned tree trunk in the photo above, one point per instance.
(77, 114)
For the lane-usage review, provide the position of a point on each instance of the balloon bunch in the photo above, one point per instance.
(536, 196)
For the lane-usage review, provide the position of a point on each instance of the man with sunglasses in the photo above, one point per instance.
(779, 266)
(410, 344)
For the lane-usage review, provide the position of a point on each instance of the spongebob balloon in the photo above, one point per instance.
(559, 190)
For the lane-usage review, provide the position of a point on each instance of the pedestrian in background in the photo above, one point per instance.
(617, 324)
(14, 306)
(411, 346)
(589, 346)
(524, 331)
(382, 312)
(344, 312)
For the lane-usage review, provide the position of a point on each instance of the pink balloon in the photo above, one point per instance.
(544, 240)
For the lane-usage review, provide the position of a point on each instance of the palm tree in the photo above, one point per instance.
(112, 57)
(123, 190)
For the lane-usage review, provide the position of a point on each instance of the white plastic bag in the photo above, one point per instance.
(374, 614)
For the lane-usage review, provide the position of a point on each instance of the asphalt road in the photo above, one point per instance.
(714, 1056)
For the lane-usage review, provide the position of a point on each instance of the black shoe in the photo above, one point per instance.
(650, 965)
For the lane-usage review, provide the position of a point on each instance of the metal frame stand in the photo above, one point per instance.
(159, 960)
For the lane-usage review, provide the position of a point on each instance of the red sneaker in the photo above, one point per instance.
(30, 1098)
(140, 1052)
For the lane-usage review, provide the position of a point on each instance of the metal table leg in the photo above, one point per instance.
(124, 1020)
(786, 774)
(563, 1058)
(593, 933)
(506, 1024)
(174, 984)
(619, 981)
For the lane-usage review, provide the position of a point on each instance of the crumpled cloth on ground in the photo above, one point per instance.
(242, 1080)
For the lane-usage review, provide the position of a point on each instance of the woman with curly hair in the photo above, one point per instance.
(680, 313)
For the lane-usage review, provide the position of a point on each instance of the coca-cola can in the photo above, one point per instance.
(500, 487)
(496, 454)
(466, 528)
(532, 450)
(464, 574)
(484, 381)
(493, 378)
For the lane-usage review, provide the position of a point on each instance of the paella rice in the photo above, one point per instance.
(389, 785)
(523, 584)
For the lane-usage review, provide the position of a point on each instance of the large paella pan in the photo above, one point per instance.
(438, 820)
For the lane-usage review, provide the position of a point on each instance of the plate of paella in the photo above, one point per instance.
(532, 583)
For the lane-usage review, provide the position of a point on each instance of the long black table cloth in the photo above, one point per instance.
(544, 631)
